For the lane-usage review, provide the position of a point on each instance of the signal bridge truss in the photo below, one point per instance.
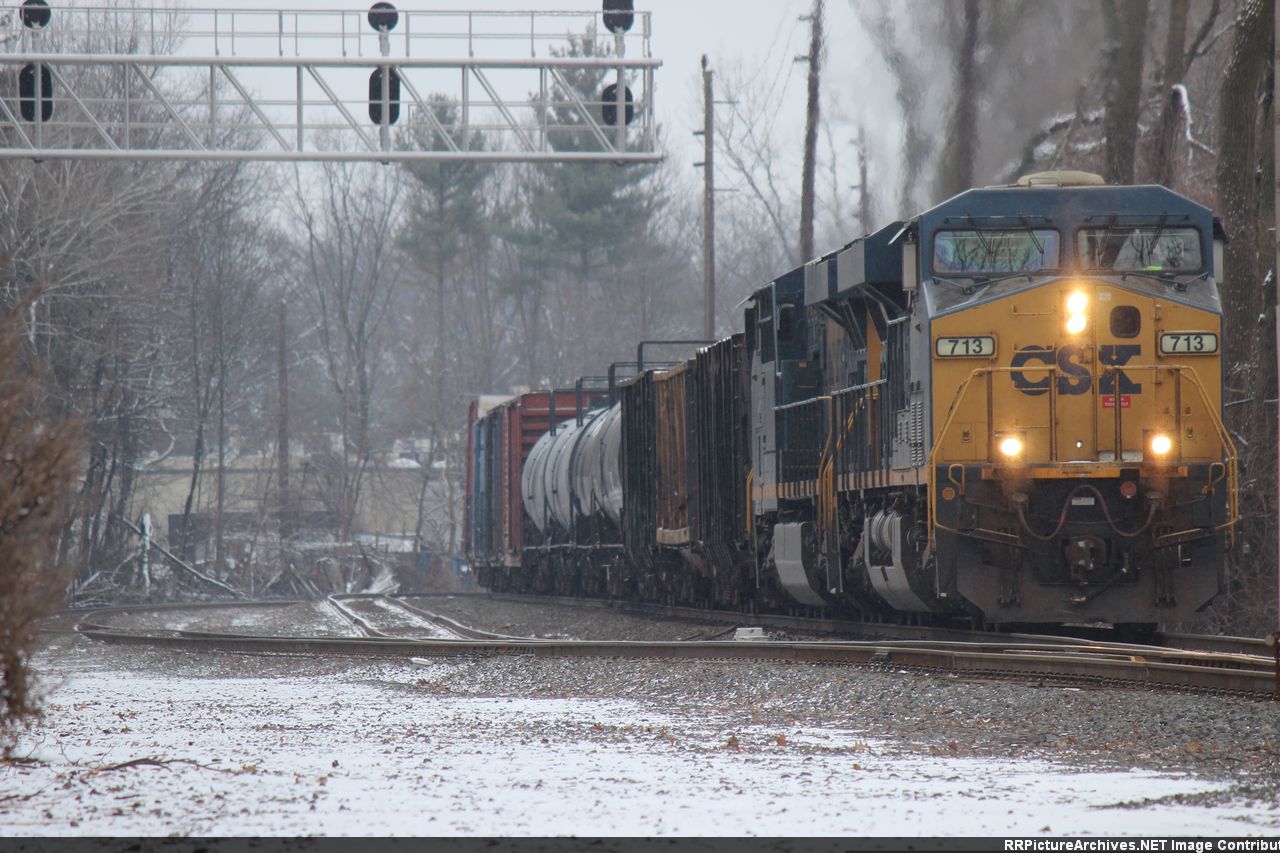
(200, 84)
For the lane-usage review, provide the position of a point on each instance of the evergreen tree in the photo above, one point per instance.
(590, 225)
(446, 208)
(452, 332)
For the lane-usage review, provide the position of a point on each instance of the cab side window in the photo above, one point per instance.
(1126, 321)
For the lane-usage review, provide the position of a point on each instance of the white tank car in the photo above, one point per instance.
(531, 482)
(574, 472)
(597, 477)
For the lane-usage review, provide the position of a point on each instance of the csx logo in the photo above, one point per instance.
(1073, 376)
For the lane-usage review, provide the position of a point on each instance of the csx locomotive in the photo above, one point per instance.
(1006, 410)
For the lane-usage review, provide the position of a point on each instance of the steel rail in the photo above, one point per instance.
(1216, 643)
(830, 625)
(339, 606)
(1081, 664)
(464, 631)
(816, 624)
(1221, 644)
(1054, 665)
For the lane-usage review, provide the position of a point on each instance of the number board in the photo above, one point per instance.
(979, 346)
(1188, 343)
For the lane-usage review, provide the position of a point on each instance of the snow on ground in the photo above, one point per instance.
(284, 746)
(304, 619)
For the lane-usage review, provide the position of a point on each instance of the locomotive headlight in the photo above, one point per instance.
(1077, 304)
(1010, 446)
(1161, 444)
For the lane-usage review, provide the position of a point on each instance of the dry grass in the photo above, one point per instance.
(38, 472)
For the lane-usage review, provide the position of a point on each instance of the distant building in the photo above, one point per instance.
(403, 492)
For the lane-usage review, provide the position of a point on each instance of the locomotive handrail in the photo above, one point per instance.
(863, 387)
(827, 502)
(786, 407)
(1230, 454)
(819, 398)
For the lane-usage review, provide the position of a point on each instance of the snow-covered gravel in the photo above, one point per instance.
(511, 745)
(303, 619)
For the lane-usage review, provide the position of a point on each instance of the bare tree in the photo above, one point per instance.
(1123, 58)
(866, 199)
(221, 259)
(956, 170)
(747, 140)
(912, 81)
(1175, 107)
(1245, 178)
(1164, 148)
(352, 270)
(83, 233)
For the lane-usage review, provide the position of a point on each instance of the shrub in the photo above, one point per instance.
(38, 474)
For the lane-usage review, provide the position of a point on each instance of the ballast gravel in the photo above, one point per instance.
(1226, 738)
(224, 728)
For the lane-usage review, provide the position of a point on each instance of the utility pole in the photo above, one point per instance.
(708, 205)
(811, 131)
(1275, 273)
(282, 425)
(219, 520)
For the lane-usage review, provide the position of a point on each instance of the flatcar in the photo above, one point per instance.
(1005, 410)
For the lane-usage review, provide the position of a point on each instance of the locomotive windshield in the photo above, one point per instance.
(1141, 248)
(995, 250)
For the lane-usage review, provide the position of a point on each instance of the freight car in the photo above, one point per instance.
(499, 534)
(1006, 409)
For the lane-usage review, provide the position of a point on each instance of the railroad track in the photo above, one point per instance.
(1053, 660)
(891, 631)
(350, 606)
